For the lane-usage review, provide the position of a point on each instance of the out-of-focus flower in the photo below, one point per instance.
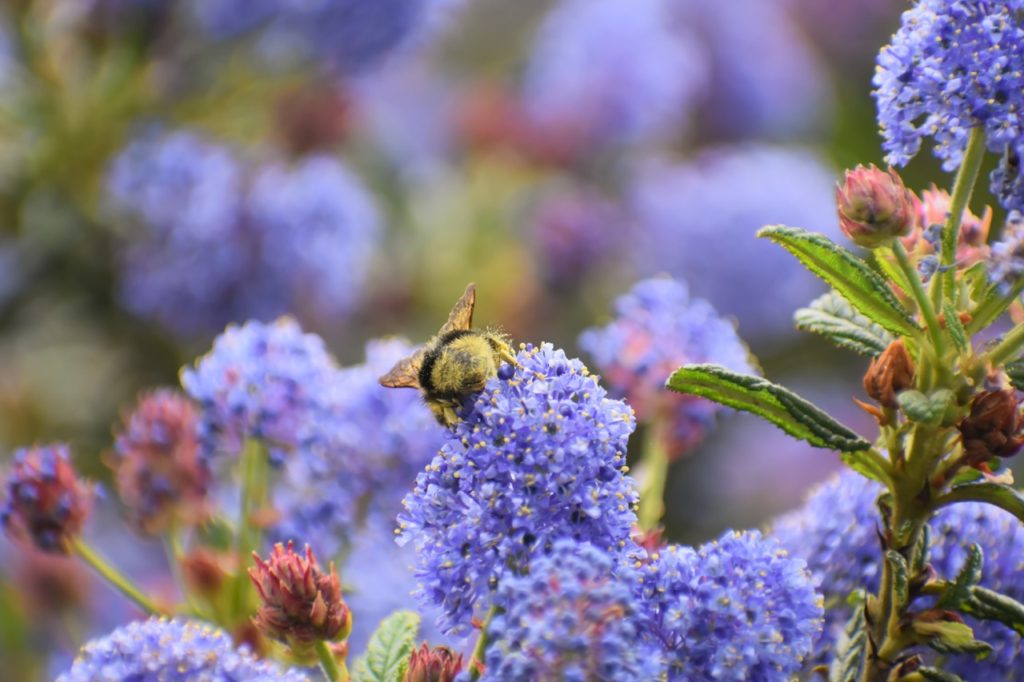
(697, 222)
(849, 30)
(875, 207)
(1006, 265)
(607, 72)
(739, 608)
(171, 651)
(951, 67)
(204, 571)
(45, 504)
(318, 227)
(439, 664)
(992, 429)
(159, 474)
(836, 532)
(540, 455)
(571, 618)
(657, 329)
(263, 381)
(300, 603)
(313, 118)
(925, 239)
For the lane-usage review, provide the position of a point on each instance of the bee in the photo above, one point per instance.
(453, 364)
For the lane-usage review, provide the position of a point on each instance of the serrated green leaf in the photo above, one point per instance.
(852, 645)
(833, 317)
(935, 675)
(887, 263)
(955, 328)
(991, 306)
(998, 494)
(387, 654)
(785, 409)
(960, 589)
(850, 276)
(922, 552)
(950, 637)
(867, 463)
(926, 409)
(1015, 372)
(900, 577)
(988, 605)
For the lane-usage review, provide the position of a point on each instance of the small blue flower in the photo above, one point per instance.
(161, 650)
(657, 329)
(740, 608)
(955, 65)
(264, 381)
(573, 617)
(540, 455)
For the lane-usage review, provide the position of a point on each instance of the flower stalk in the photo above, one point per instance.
(253, 496)
(944, 284)
(117, 580)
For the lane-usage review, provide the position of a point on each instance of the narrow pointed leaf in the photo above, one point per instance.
(992, 305)
(870, 464)
(850, 276)
(387, 654)
(833, 317)
(956, 329)
(998, 494)
(851, 649)
(960, 589)
(900, 577)
(1015, 372)
(785, 409)
(988, 605)
(935, 675)
(950, 637)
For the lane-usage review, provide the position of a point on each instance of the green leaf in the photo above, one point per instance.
(926, 409)
(998, 494)
(960, 589)
(988, 605)
(851, 648)
(955, 328)
(991, 306)
(850, 276)
(832, 316)
(788, 411)
(950, 637)
(935, 675)
(900, 577)
(1015, 372)
(870, 464)
(387, 654)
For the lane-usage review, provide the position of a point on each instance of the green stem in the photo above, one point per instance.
(963, 186)
(992, 307)
(333, 669)
(476, 662)
(923, 302)
(119, 581)
(249, 535)
(655, 461)
(1008, 348)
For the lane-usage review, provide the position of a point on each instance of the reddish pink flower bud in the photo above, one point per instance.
(874, 206)
(46, 503)
(439, 664)
(992, 429)
(933, 210)
(159, 474)
(301, 605)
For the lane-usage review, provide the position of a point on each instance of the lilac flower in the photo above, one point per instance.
(739, 608)
(318, 227)
(539, 456)
(377, 441)
(171, 650)
(836, 533)
(265, 381)
(657, 329)
(951, 67)
(1006, 263)
(612, 71)
(697, 222)
(573, 617)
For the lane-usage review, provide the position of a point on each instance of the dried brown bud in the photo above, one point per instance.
(301, 605)
(203, 571)
(889, 373)
(874, 206)
(992, 429)
(439, 664)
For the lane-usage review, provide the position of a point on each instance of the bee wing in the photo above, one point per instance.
(461, 316)
(405, 373)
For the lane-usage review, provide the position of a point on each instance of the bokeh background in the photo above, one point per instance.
(168, 167)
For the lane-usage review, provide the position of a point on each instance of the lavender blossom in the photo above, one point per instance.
(539, 456)
(954, 66)
(1006, 263)
(657, 329)
(160, 650)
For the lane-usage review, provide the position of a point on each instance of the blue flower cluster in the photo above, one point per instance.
(574, 617)
(740, 608)
(955, 65)
(160, 650)
(264, 381)
(835, 533)
(539, 456)
(1006, 262)
(211, 244)
(657, 329)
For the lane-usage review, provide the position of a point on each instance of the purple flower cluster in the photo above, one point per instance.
(539, 456)
(1006, 262)
(171, 651)
(657, 329)
(263, 381)
(836, 533)
(697, 221)
(955, 65)
(740, 608)
(212, 245)
(575, 616)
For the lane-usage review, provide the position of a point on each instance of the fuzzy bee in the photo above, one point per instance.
(456, 362)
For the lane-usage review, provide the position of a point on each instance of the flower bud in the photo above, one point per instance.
(992, 429)
(301, 605)
(889, 373)
(46, 503)
(159, 473)
(439, 664)
(203, 572)
(874, 206)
